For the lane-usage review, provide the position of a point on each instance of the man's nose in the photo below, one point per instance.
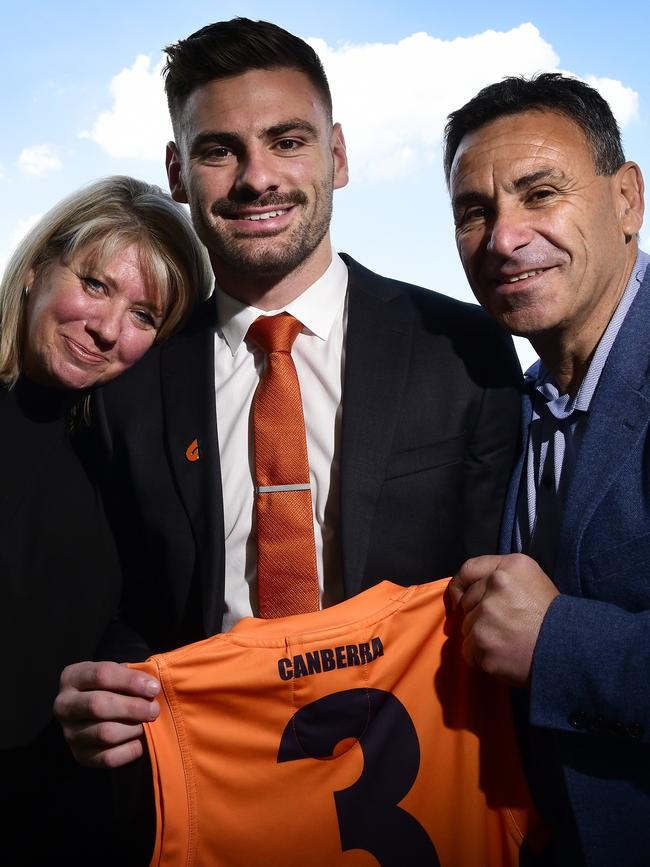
(258, 172)
(510, 230)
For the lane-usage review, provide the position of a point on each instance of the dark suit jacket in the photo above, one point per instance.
(590, 690)
(429, 429)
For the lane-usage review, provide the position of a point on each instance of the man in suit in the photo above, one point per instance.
(410, 399)
(547, 213)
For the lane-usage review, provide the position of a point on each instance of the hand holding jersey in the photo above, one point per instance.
(504, 599)
(102, 706)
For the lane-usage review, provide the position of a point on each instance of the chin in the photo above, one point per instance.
(75, 380)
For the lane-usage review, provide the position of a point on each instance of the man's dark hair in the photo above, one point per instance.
(229, 48)
(548, 91)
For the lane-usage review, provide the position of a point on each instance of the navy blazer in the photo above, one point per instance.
(430, 423)
(590, 680)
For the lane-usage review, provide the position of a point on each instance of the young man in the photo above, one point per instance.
(547, 213)
(409, 398)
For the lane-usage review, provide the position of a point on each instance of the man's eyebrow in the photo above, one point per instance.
(295, 124)
(233, 140)
(214, 137)
(548, 174)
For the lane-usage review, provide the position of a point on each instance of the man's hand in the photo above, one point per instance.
(101, 706)
(504, 599)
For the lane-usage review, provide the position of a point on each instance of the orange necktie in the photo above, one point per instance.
(287, 578)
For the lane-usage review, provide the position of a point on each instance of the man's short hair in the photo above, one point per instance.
(229, 48)
(548, 91)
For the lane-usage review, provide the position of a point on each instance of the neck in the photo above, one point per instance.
(567, 368)
(275, 290)
(567, 350)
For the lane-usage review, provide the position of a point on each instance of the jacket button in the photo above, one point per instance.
(635, 730)
(578, 719)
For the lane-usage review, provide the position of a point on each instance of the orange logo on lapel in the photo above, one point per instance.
(192, 451)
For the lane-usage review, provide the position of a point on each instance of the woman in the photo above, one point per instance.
(104, 274)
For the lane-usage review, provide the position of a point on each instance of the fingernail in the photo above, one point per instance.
(152, 687)
(154, 710)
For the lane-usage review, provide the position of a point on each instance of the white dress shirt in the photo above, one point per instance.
(318, 354)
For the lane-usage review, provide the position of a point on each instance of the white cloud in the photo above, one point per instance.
(392, 98)
(19, 231)
(138, 124)
(39, 159)
(623, 101)
(22, 227)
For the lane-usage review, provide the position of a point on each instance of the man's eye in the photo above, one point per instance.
(540, 195)
(217, 153)
(471, 215)
(288, 144)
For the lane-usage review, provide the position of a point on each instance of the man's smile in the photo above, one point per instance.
(267, 215)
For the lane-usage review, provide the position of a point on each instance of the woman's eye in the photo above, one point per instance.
(146, 319)
(95, 287)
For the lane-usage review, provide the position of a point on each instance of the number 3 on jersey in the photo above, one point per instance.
(368, 813)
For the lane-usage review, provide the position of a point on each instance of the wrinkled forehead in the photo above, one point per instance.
(520, 144)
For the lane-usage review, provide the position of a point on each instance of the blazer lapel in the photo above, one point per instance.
(618, 417)
(377, 352)
(188, 391)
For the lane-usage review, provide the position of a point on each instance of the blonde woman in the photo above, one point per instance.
(102, 276)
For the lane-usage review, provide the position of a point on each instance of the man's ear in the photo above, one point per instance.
(629, 191)
(174, 174)
(340, 157)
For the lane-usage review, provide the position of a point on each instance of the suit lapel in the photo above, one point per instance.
(377, 353)
(188, 391)
(618, 418)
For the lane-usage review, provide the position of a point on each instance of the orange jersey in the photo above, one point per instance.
(349, 737)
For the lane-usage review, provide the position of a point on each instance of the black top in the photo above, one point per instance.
(59, 587)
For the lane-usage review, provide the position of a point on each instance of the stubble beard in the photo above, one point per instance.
(243, 254)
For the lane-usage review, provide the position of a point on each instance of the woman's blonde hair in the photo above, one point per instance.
(101, 219)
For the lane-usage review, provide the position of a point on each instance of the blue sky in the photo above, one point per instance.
(81, 99)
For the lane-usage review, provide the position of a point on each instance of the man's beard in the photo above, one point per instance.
(245, 254)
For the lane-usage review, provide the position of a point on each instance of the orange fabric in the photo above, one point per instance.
(349, 737)
(287, 577)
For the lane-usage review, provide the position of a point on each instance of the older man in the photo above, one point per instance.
(547, 213)
(409, 398)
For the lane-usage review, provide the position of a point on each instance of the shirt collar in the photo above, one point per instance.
(539, 379)
(316, 307)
